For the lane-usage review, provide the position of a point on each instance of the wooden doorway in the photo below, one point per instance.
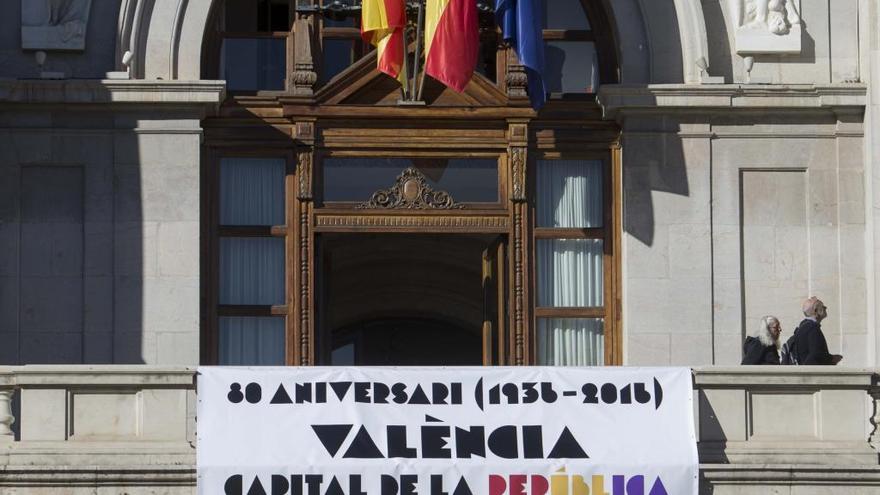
(406, 299)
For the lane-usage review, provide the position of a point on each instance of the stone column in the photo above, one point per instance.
(6, 417)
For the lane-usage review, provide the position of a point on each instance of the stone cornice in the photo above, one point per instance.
(785, 376)
(617, 99)
(112, 91)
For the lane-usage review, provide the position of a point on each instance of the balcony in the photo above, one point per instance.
(118, 429)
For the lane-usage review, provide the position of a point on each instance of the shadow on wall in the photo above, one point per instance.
(652, 163)
(72, 275)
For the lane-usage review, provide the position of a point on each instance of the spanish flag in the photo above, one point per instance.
(382, 24)
(452, 41)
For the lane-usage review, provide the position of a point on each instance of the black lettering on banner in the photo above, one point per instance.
(354, 485)
(455, 397)
(533, 442)
(398, 390)
(362, 392)
(235, 396)
(470, 442)
(340, 388)
(233, 485)
(303, 392)
(380, 393)
(256, 487)
(419, 397)
(437, 485)
(334, 488)
(434, 441)
(280, 485)
(332, 436)
(281, 396)
(296, 484)
(320, 393)
(567, 447)
(397, 443)
(462, 488)
(439, 393)
(408, 484)
(313, 483)
(502, 442)
(253, 393)
(388, 485)
(363, 447)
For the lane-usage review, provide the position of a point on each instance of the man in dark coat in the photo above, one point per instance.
(810, 343)
(762, 347)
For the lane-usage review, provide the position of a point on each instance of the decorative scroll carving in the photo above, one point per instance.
(411, 191)
(6, 417)
(304, 172)
(518, 172)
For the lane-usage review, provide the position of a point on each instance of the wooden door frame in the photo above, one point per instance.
(516, 140)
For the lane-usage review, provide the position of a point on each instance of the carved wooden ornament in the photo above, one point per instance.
(411, 191)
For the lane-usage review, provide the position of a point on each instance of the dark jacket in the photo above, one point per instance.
(754, 352)
(811, 345)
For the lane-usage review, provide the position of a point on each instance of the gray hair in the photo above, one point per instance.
(811, 306)
(762, 332)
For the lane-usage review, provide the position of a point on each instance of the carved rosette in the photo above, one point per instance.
(411, 191)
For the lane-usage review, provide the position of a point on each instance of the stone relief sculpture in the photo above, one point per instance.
(54, 24)
(767, 26)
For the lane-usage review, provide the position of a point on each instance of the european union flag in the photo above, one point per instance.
(521, 25)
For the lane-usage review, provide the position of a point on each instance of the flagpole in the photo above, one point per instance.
(418, 55)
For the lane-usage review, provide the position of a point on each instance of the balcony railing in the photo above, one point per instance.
(126, 426)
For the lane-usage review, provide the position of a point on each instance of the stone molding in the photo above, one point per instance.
(201, 93)
(616, 99)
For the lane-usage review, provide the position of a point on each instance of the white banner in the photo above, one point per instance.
(446, 431)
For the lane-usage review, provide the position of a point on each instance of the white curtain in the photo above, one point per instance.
(570, 272)
(569, 193)
(571, 341)
(251, 270)
(252, 191)
(251, 341)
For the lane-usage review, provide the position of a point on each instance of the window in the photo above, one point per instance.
(570, 247)
(341, 42)
(251, 296)
(253, 49)
(570, 57)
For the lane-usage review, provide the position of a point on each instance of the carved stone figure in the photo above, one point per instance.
(767, 26)
(54, 24)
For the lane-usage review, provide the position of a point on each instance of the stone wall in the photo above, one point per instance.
(99, 221)
(739, 213)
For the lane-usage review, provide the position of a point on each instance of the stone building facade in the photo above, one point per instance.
(740, 153)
